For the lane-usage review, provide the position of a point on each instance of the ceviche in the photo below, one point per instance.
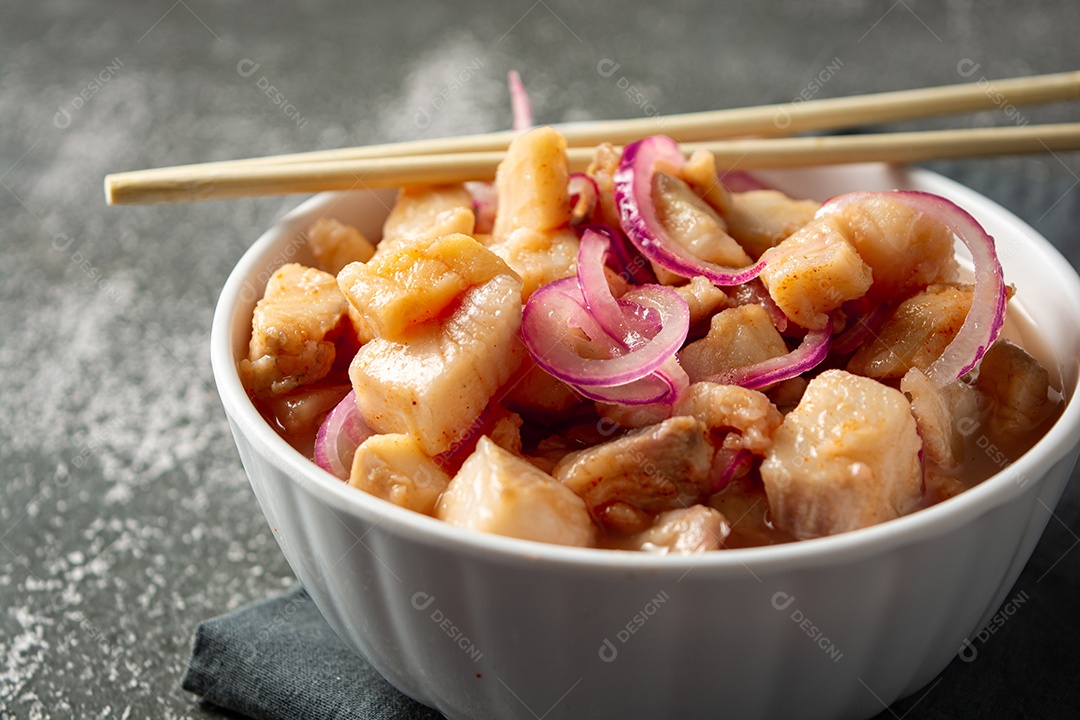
(647, 355)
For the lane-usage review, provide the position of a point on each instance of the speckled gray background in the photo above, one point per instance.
(125, 517)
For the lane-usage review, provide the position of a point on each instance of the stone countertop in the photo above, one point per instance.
(125, 516)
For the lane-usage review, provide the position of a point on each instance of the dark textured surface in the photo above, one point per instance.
(125, 518)
(278, 659)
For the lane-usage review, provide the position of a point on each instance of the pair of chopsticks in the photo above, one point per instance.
(476, 157)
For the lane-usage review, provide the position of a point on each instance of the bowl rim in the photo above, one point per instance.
(929, 522)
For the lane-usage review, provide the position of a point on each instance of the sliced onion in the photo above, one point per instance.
(987, 315)
(557, 306)
(623, 257)
(661, 387)
(730, 464)
(629, 322)
(519, 103)
(813, 349)
(609, 349)
(339, 436)
(584, 193)
(677, 380)
(485, 200)
(637, 214)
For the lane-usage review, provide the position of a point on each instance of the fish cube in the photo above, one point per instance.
(814, 272)
(435, 385)
(847, 457)
(399, 290)
(500, 493)
(737, 337)
(914, 334)
(335, 244)
(394, 468)
(292, 330)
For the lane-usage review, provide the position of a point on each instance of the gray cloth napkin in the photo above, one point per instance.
(278, 660)
(1025, 664)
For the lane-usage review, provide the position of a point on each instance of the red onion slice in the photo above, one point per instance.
(623, 257)
(637, 214)
(730, 464)
(339, 436)
(584, 193)
(810, 353)
(629, 322)
(519, 103)
(987, 315)
(558, 306)
(485, 200)
(661, 387)
(625, 350)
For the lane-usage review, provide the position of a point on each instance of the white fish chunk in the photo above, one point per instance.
(687, 531)
(737, 337)
(538, 257)
(694, 224)
(657, 468)
(335, 244)
(417, 282)
(535, 392)
(500, 493)
(915, 333)
(531, 225)
(702, 297)
(730, 408)
(815, 271)
(1019, 387)
(757, 220)
(292, 331)
(847, 457)
(905, 249)
(435, 385)
(532, 184)
(426, 212)
(602, 169)
(394, 468)
(762, 219)
(941, 414)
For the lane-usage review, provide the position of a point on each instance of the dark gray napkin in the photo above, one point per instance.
(279, 660)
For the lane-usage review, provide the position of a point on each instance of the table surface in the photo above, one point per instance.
(125, 516)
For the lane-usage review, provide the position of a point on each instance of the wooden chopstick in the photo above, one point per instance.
(763, 121)
(233, 181)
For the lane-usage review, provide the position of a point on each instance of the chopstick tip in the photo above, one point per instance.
(110, 198)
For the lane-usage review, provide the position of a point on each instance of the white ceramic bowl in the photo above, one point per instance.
(481, 626)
